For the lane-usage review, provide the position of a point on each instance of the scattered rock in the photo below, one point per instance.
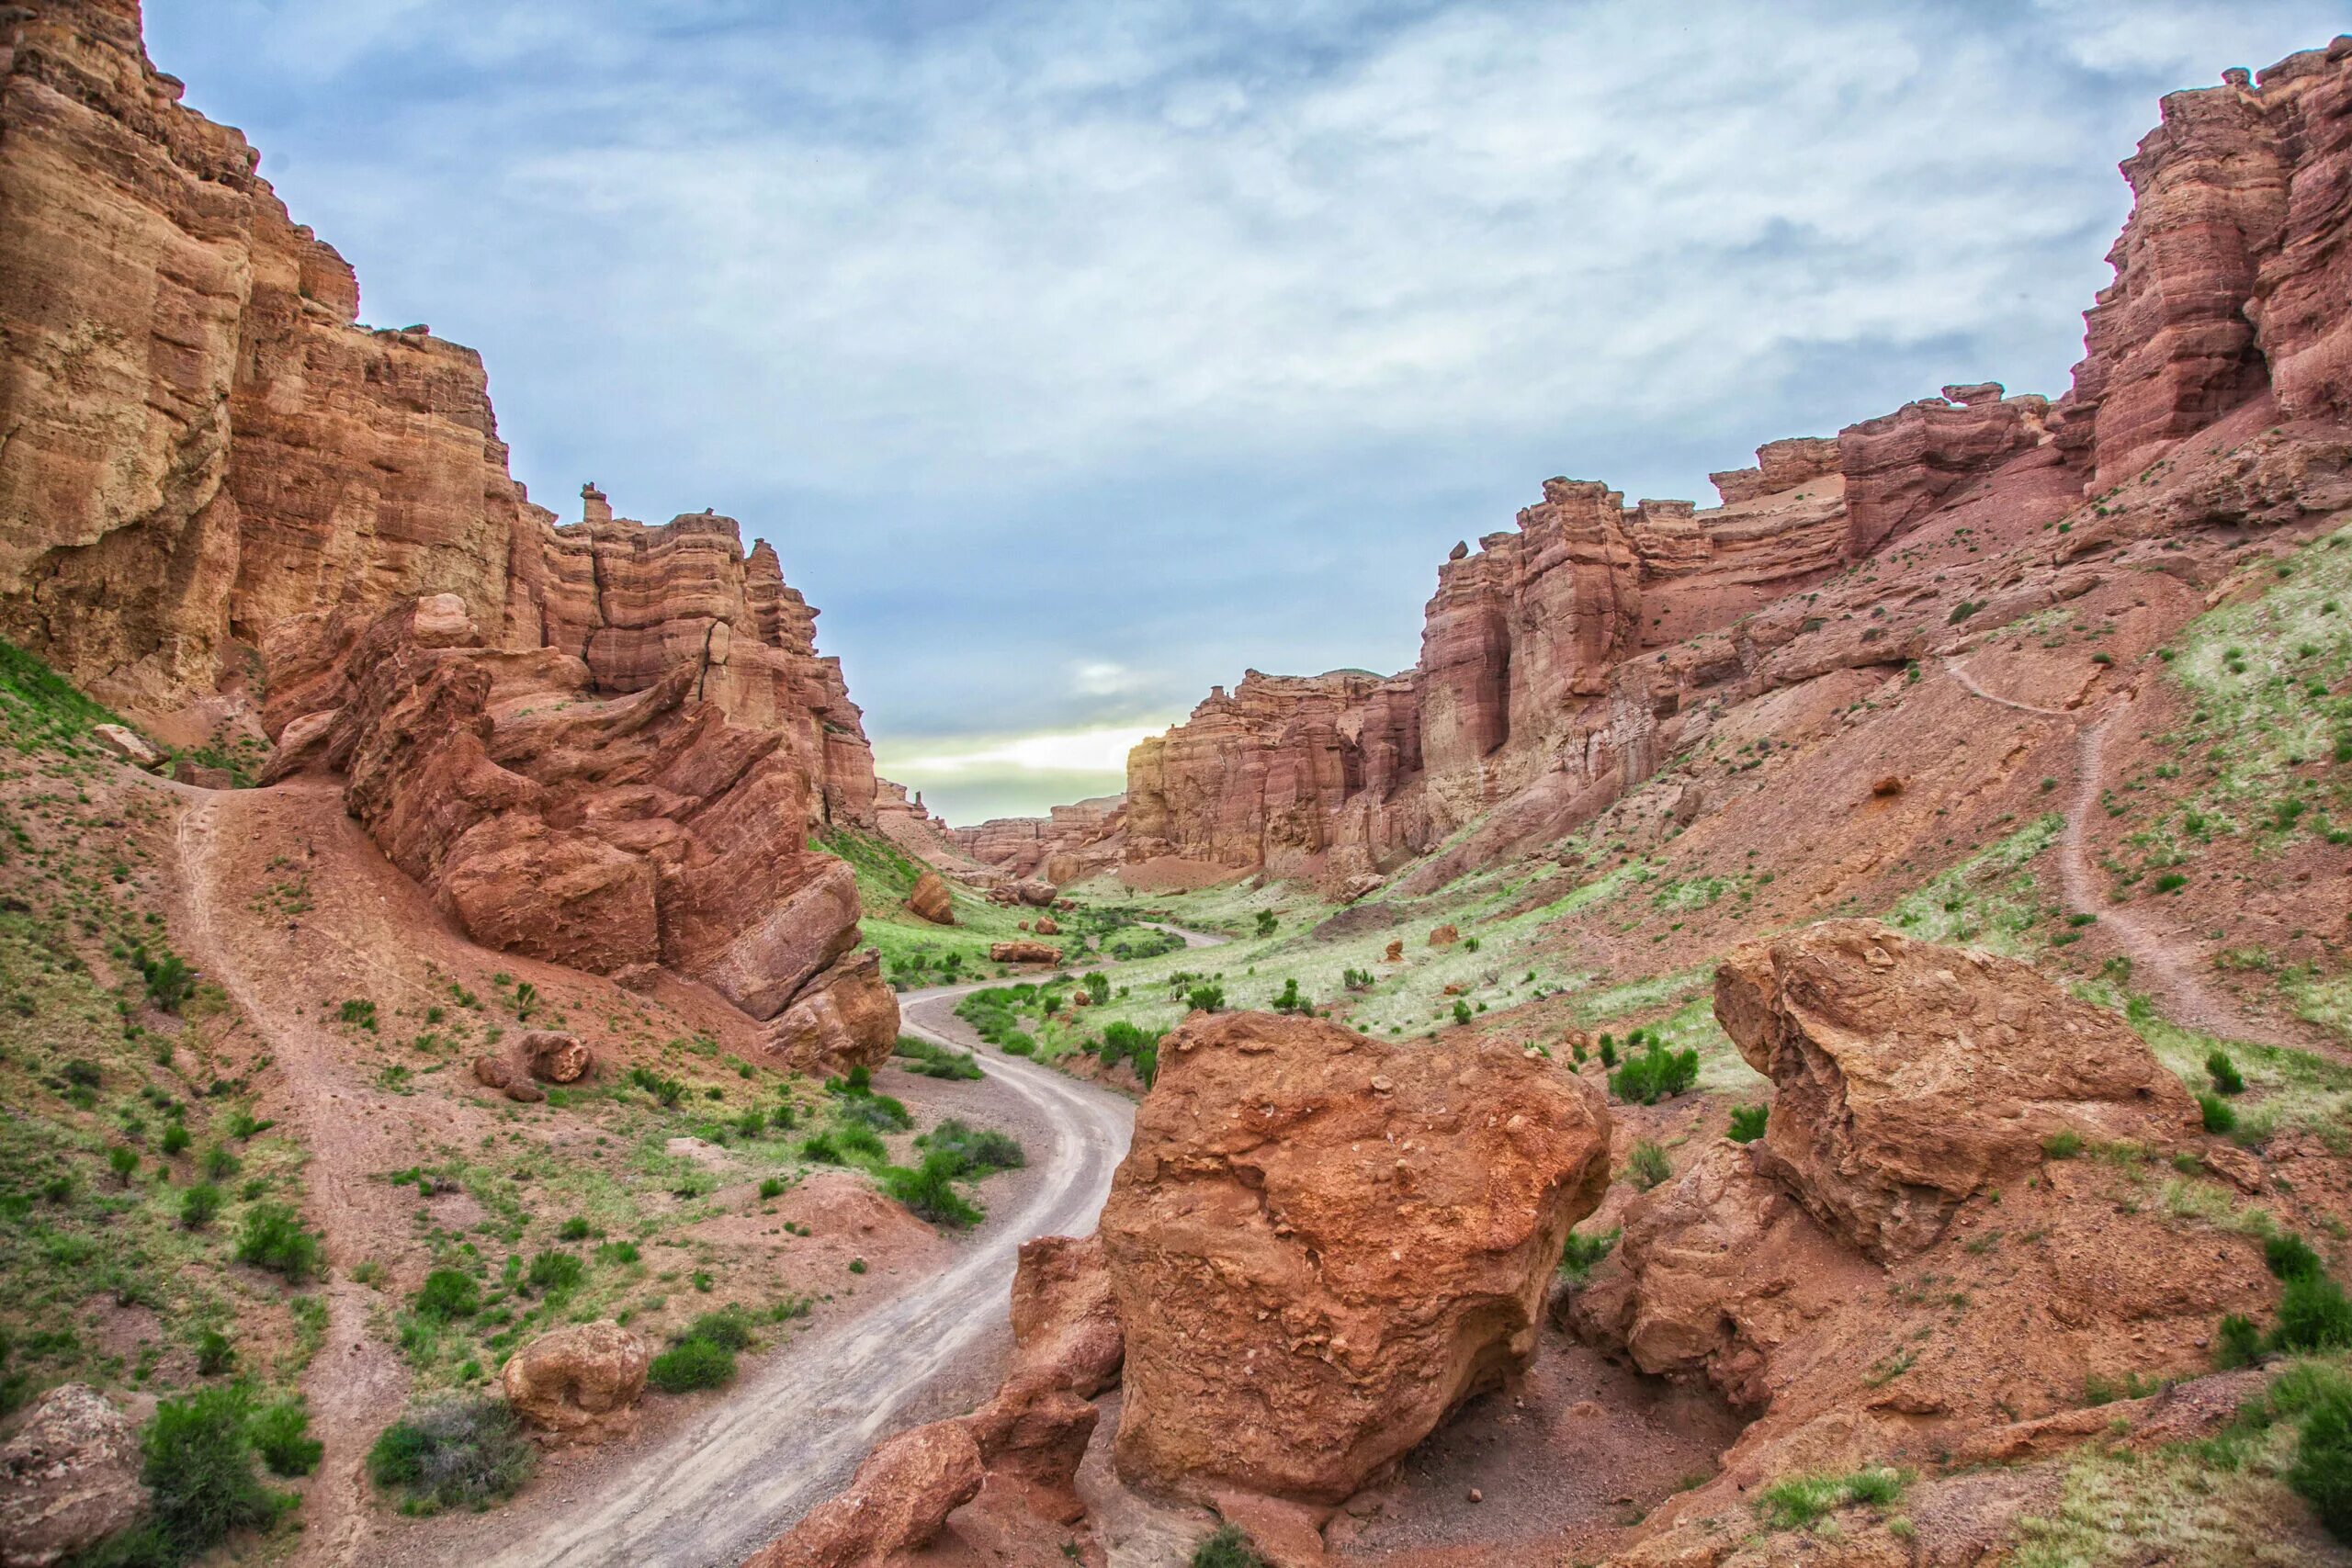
(1396, 953)
(1047, 926)
(1310, 1272)
(1444, 936)
(898, 1502)
(198, 776)
(930, 900)
(1889, 785)
(523, 1091)
(554, 1057)
(69, 1478)
(1023, 952)
(1040, 894)
(492, 1072)
(581, 1381)
(129, 745)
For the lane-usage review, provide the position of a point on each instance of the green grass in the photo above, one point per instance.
(1798, 1502)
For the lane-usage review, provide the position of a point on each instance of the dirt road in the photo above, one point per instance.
(720, 1486)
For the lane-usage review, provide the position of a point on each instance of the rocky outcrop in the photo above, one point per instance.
(554, 1057)
(1779, 466)
(582, 1381)
(897, 1503)
(1321, 1244)
(845, 1017)
(1909, 1077)
(2230, 275)
(1065, 1315)
(607, 832)
(1901, 466)
(69, 1477)
(217, 485)
(1023, 952)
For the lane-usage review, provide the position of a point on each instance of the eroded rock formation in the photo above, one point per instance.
(1070, 844)
(1321, 1244)
(581, 1381)
(603, 744)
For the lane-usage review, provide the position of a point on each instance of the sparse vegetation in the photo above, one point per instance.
(455, 1452)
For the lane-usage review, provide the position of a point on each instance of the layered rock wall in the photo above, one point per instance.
(1069, 843)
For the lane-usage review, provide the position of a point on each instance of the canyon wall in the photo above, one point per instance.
(224, 504)
(1068, 844)
(1561, 662)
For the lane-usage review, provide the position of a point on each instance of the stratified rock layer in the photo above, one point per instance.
(1321, 1244)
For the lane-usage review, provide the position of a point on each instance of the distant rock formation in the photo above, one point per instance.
(1070, 845)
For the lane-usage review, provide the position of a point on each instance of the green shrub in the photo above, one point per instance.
(2312, 1315)
(199, 1206)
(932, 1061)
(214, 1354)
(770, 1187)
(273, 1239)
(2065, 1144)
(455, 1453)
(973, 1149)
(2322, 1473)
(1289, 1000)
(1462, 1013)
(1227, 1548)
(2224, 1073)
(729, 1328)
(197, 1464)
(175, 1139)
(1607, 1051)
(1123, 1042)
(819, 1148)
(692, 1364)
(123, 1160)
(280, 1435)
(1747, 1123)
(1098, 989)
(448, 1294)
(1647, 1167)
(2290, 1256)
(1582, 1253)
(169, 980)
(1266, 923)
(1657, 1074)
(1205, 998)
(2221, 1116)
(555, 1272)
(617, 1252)
(218, 1163)
(1016, 1044)
(929, 1191)
(862, 1142)
(1802, 1500)
(2236, 1343)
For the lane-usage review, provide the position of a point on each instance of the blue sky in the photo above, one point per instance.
(1076, 356)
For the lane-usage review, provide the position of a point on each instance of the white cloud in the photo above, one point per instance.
(1101, 751)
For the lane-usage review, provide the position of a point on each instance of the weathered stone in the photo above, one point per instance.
(1321, 1244)
(930, 900)
(581, 1381)
(129, 745)
(69, 1478)
(1023, 952)
(846, 1017)
(898, 1502)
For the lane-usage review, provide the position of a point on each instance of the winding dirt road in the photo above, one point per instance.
(718, 1488)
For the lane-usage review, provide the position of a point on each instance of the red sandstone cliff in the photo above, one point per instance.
(1070, 844)
(1561, 664)
(215, 485)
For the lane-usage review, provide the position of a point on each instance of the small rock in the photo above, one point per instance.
(129, 745)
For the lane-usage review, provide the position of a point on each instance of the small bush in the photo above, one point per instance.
(2290, 1256)
(770, 1187)
(729, 1328)
(2322, 1473)
(2224, 1073)
(1747, 1123)
(2236, 1343)
(620, 1253)
(2312, 1315)
(819, 1148)
(555, 1272)
(974, 1149)
(929, 1191)
(1267, 923)
(1227, 1548)
(1799, 1502)
(448, 1294)
(175, 1139)
(1647, 1167)
(280, 1435)
(273, 1239)
(2221, 1116)
(690, 1365)
(457, 1453)
(197, 1464)
(1206, 998)
(2063, 1145)
(199, 1206)
(1583, 1253)
(1657, 1074)
(862, 1142)
(214, 1354)
(1462, 1013)
(123, 1160)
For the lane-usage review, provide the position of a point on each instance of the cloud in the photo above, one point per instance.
(968, 780)
(1144, 342)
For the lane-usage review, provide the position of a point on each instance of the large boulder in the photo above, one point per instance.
(1321, 1244)
(1023, 952)
(930, 900)
(846, 1017)
(1037, 894)
(1910, 1076)
(581, 1381)
(898, 1502)
(68, 1479)
(1065, 1315)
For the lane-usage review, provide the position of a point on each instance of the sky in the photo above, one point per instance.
(1077, 356)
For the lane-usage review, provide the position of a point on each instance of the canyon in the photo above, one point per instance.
(1813, 1029)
